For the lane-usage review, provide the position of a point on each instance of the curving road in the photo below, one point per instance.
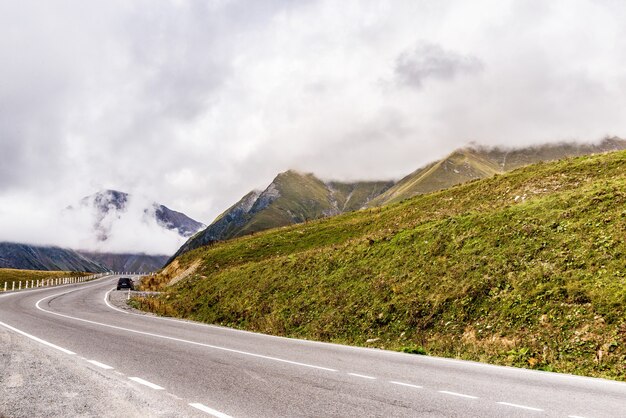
(202, 370)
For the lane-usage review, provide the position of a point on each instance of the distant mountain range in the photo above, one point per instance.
(107, 207)
(295, 197)
(30, 257)
(127, 262)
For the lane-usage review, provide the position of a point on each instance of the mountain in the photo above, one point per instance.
(295, 197)
(30, 257)
(522, 269)
(479, 162)
(291, 198)
(109, 206)
(127, 262)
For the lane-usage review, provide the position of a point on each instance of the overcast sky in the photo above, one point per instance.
(194, 103)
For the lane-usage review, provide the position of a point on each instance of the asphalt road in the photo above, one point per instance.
(199, 369)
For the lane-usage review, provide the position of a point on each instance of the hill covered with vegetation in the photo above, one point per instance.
(524, 269)
(13, 275)
(291, 198)
(473, 163)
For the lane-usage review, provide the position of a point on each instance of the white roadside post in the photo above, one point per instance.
(5, 286)
(20, 286)
(13, 288)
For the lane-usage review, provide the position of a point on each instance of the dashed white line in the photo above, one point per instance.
(209, 411)
(165, 337)
(514, 405)
(146, 383)
(101, 365)
(362, 376)
(462, 395)
(574, 416)
(407, 385)
(39, 340)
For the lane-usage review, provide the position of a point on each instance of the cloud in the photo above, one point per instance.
(427, 60)
(194, 103)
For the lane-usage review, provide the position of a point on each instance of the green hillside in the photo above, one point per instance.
(524, 269)
(291, 198)
(301, 197)
(478, 162)
(13, 275)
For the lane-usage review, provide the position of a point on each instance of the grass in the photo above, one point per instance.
(523, 269)
(13, 275)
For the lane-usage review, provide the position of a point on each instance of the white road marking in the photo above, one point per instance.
(39, 340)
(165, 337)
(514, 405)
(101, 365)
(462, 395)
(146, 383)
(407, 385)
(106, 300)
(362, 375)
(209, 411)
(574, 416)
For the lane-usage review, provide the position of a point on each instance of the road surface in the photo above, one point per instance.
(179, 368)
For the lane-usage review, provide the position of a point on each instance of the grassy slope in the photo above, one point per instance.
(303, 197)
(472, 163)
(13, 275)
(353, 196)
(459, 167)
(469, 272)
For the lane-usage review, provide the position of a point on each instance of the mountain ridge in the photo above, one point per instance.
(302, 197)
(474, 162)
(36, 257)
(292, 197)
(110, 205)
(127, 261)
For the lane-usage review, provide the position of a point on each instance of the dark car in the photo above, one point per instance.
(125, 283)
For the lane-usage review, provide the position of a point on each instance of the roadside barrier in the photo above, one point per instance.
(59, 281)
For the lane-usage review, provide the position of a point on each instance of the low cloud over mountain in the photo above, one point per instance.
(124, 223)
